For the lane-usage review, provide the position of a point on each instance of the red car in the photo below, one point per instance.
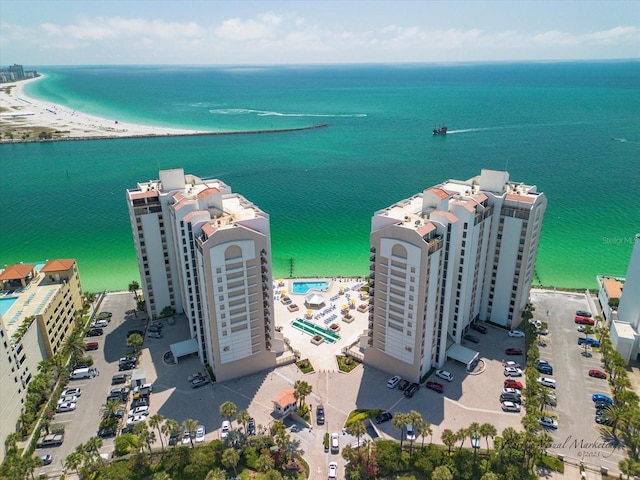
(511, 383)
(435, 386)
(597, 374)
(584, 320)
(91, 346)
(513, 351)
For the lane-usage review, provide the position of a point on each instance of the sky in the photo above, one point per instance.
(208, 32)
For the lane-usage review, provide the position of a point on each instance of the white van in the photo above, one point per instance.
(79, 373)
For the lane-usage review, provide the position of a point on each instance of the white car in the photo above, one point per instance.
(443, 374)
(511, 363)
(133, 419)
(512, 372)
(512, 391)
(66, 407)
(186, 437)
(516, 333)
(226, 426)
(71, 391)
(144, 388)
(200, 434)
(335, 443)
(547, 382)
(510, 407)
(67, 399)
(393, 381)
(333, 470)
(154, 334)
(548, 422)
(411, 433)
(142, 410)
(100, 324)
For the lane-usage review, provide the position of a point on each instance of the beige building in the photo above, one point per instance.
(457, 253)
(38, 305)
(206, 252)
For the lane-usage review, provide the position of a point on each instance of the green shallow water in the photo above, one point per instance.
(570, 128)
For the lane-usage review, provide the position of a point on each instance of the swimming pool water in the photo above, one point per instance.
(5, 304)
(304, 287)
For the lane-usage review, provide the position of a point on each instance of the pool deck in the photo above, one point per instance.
(323, 354)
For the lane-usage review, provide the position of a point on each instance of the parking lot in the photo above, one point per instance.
(578, 435)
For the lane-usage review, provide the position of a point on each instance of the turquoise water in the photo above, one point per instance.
(569, 128)
(304, 287)
(6, 303)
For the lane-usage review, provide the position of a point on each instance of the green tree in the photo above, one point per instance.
(448, 438)
(357, 429)
(190, 425)
(264, 463)
(215, 474)
(135, 342)
(488, 431)
(243, 419)
(108, 409)
(400, 421)
(461, 435)
(73, 462)
(442, 472)
(629, 467)
(133, 288)
(73, 346)
(170, 426)
(230, 458)
(11, 443)
(425, 429)
(228, 410)
(156, 421)
(301, 390)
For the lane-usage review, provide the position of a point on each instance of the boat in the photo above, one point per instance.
(440, 131)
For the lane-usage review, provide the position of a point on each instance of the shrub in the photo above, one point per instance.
(305, 366)
(548, 461)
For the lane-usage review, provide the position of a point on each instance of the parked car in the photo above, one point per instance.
(548, 422)
(174, 438)
(143, 389)
(510, 397)
(479, 328)
(199, 382)
(200, 431)
(320, 415)
(512, 372)
(583, 313)
(91, 346)
(100, 324)
(133, 419)
(510, 406)
(46, 459)
(513, 351)
(123, 367)
(510, 390)
(76, 392)
(603, 419)
(142, 410)
(333, 471)
(226, 427)
(545, 368)
(584, 320)
(52, 440)
(67, 399)
(394, 381)
(335, 443)
(597, 374)
(411, 433)
(403, 384)
(155, 328)
(589, 341)
(186, 437)
(471, 338)
(140, 402)
(547, 382)
(511, 363)
(435, 386)
(95, 332)
(107, 432)
(154, 335)
(511, 383)
(443, 374)
(516, 333)
(193, 376)
(383, 417)
(251, 426)
(411, 389)
(120, 378)
(599, 397)
(540, 361)
(66, 407)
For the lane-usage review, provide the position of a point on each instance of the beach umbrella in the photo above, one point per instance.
(345, 307)
(283, 292)
(315, 300)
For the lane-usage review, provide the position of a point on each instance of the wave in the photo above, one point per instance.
(266, 113)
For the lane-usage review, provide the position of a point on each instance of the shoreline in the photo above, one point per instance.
(21, 116)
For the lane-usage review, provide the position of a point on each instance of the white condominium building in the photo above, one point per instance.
(206, 251)
(457, 253)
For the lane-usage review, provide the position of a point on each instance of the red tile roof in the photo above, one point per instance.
(439, 192)
(520, 198)
(208, 191)
(16, 272)
(147, 194)
(285, 398)
(58, 265)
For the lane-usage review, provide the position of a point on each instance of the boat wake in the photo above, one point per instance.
(266, 113)
(468, 130)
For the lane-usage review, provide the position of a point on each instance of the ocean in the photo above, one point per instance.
(571, 128)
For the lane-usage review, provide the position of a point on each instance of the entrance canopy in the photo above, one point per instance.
(186, 347)
(463, 355)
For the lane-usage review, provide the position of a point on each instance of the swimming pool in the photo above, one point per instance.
(304, 287)
(5, 304)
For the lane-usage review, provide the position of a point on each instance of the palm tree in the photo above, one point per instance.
(228, 410)
(133, 288)
(243, 419)
(93, 445)
(400, 420)
(442, 473)
(230, 458)
(264, 463)
(487, 430)
(155, 421)
(629, 467)
(425, 429)
(74, 347)
(135, 342)
(448, 438)
(461, 435)
(11, 443)
(190, 425)
(170, 426)
(613, 414)
(215, 474)
(357, 429)
(110, 408)
(30, 464)
(301, 390)
(73, 462)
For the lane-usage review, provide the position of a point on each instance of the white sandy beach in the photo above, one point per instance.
(18, 112)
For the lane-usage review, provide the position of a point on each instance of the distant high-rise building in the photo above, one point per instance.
(206, 252)
(457, 253)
